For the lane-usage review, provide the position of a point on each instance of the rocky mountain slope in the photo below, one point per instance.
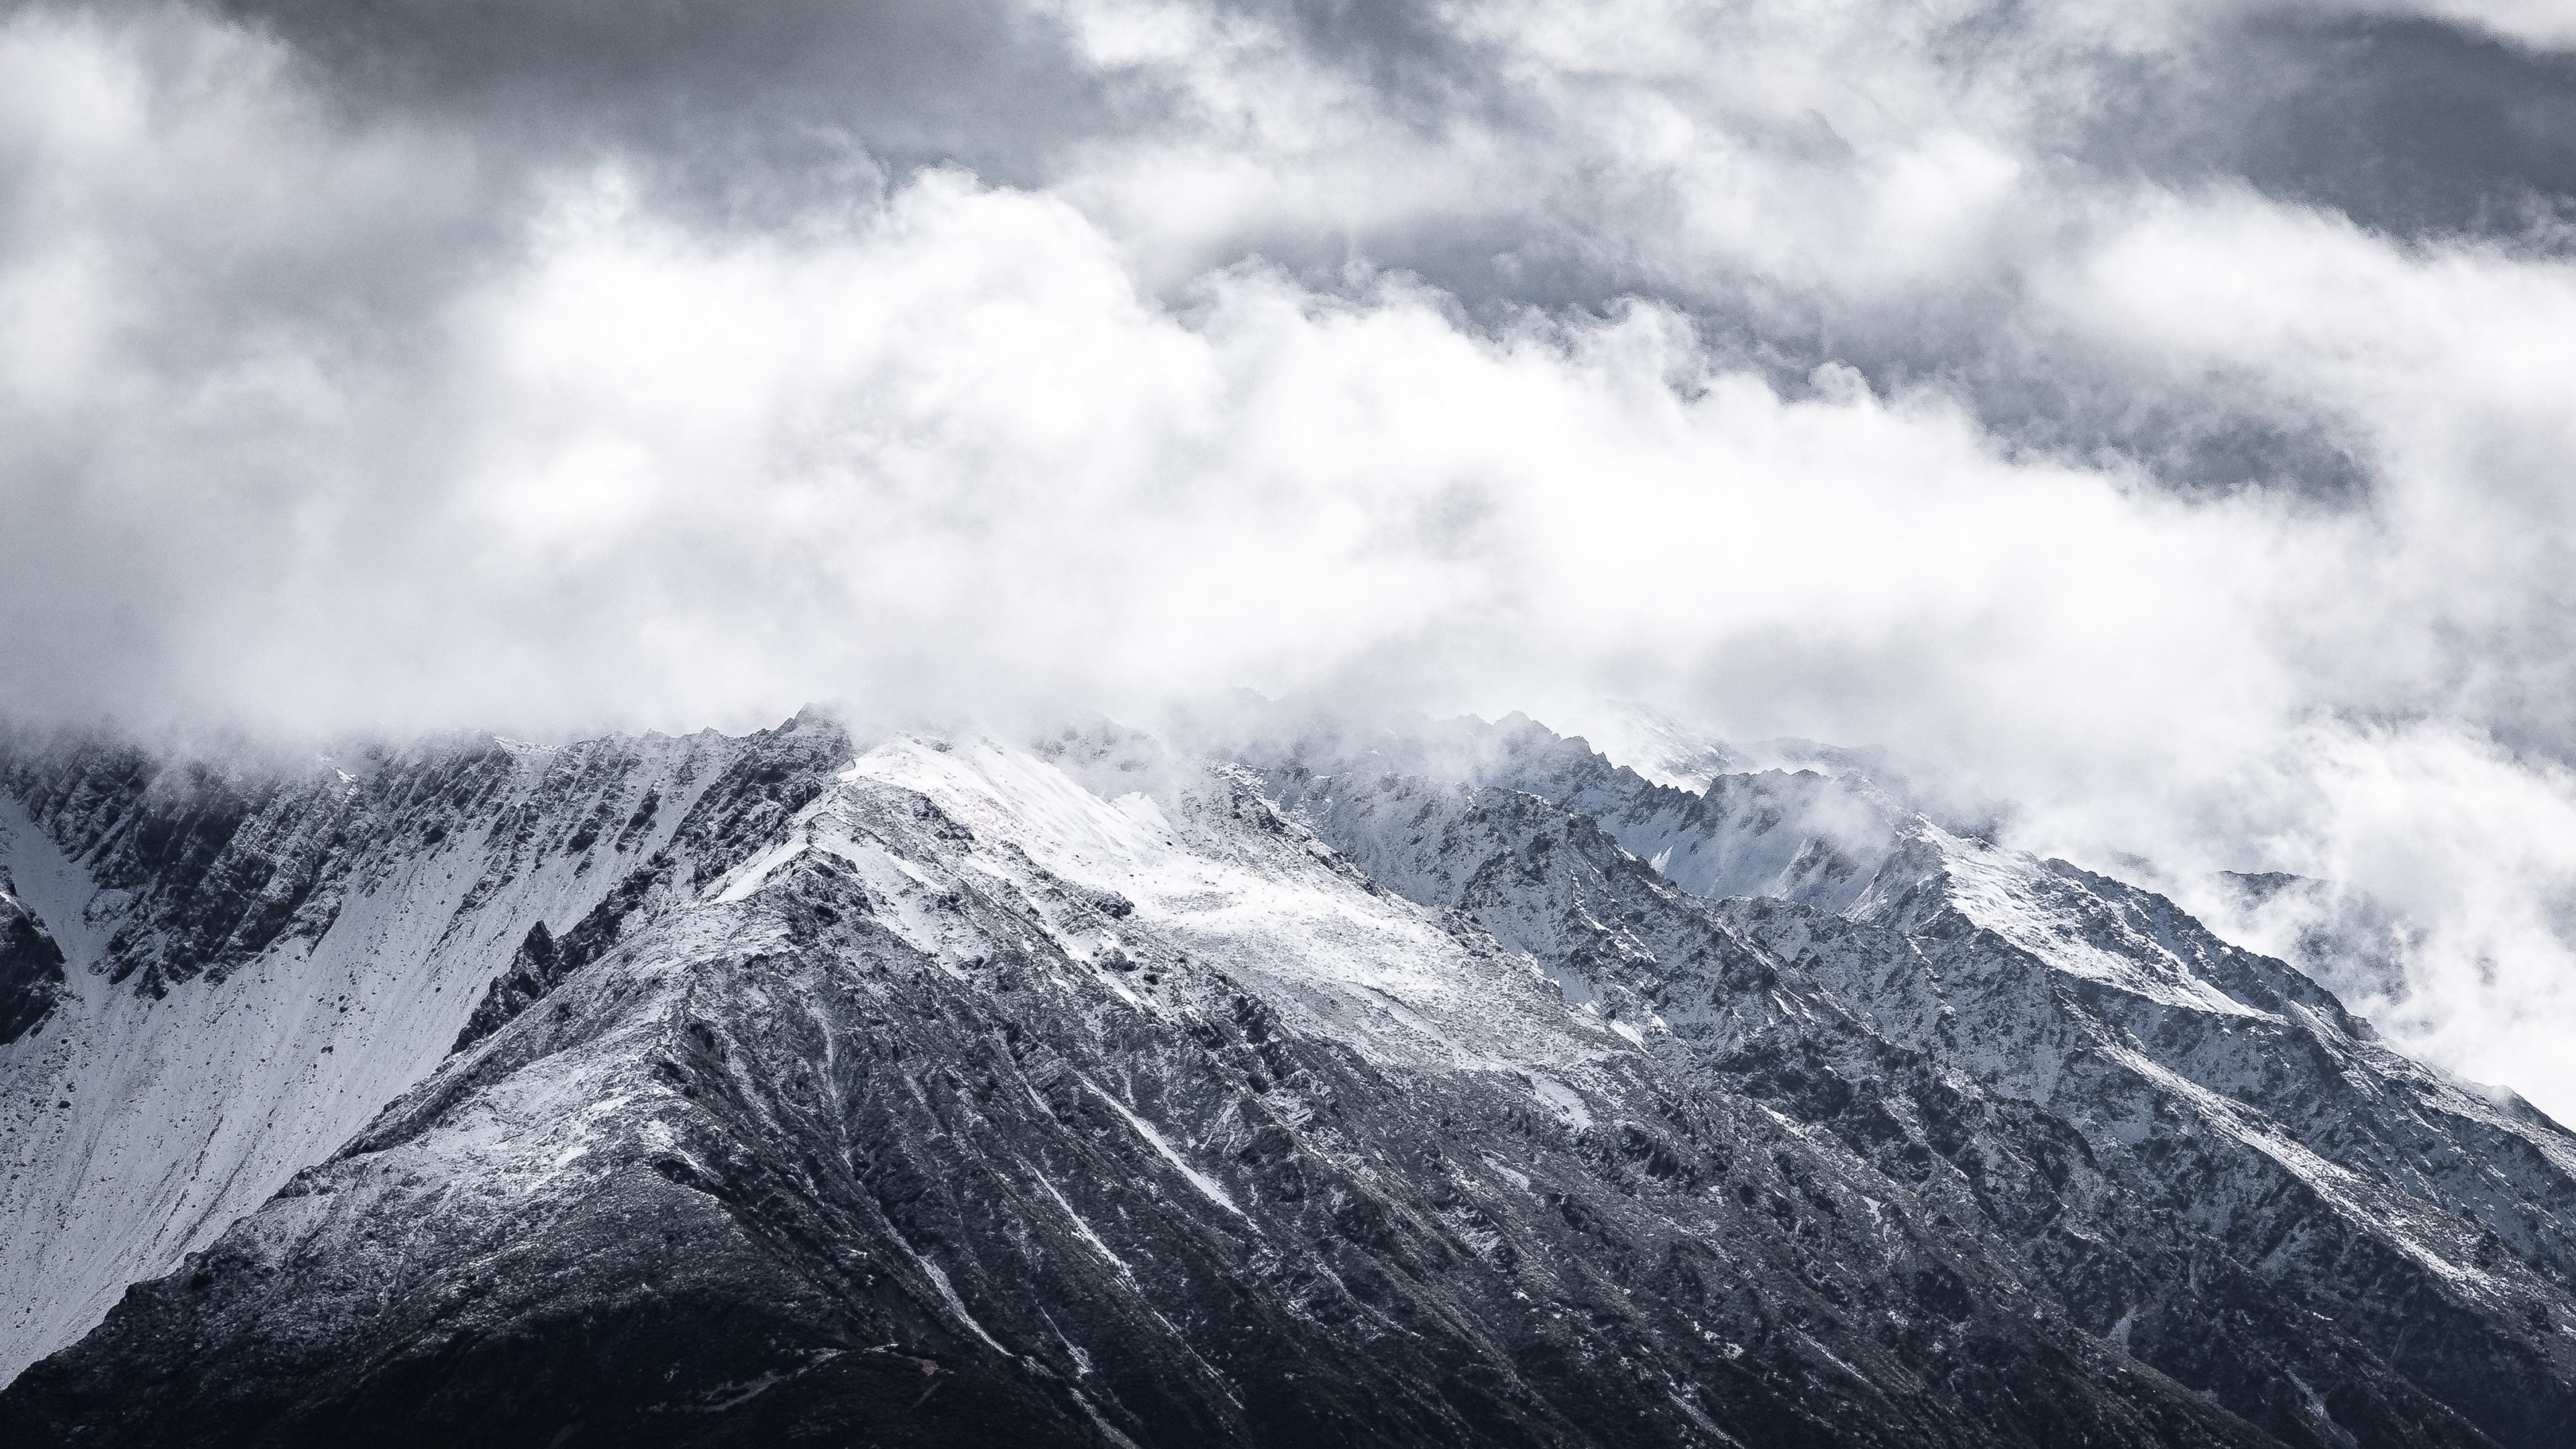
(264, 955)
(1434, 1085)
(2194, 1149)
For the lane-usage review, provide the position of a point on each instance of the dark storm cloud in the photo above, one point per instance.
(2409, 126)
(1411, 53)
(760, 103)
(2413, 127)
(756, 111)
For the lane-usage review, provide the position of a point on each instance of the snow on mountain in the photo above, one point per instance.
(1133, 1117)
(1659, 747)
(1430, 1084)
(255, 965)
(2108, 1086)
(1206, 863)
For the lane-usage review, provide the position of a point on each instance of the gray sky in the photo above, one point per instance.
(2159, 413)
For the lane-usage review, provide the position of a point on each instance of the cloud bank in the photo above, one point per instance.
(2157, 415)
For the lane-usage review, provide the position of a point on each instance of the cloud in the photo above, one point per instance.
(2538, 24)
(1822, 369)
(752, 106)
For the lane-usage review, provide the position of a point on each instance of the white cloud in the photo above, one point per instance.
(317, 420)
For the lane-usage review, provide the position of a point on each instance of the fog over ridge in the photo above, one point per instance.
(2154, 415)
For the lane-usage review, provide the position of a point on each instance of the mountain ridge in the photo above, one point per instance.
(1531, 1057)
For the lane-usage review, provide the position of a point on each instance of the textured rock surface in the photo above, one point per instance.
(31, 966)
(2191, 1148)
(1368, 1090)
(262, 955)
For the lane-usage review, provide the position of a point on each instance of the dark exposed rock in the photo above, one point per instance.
(533, 972)
(406, 879)
(31, 967)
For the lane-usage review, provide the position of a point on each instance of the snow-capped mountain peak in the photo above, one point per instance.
(1434, 1083)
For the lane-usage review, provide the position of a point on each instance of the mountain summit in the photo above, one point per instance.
(1391, 1084)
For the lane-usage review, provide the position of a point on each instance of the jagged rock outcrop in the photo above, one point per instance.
(262, 952)
(31, 966)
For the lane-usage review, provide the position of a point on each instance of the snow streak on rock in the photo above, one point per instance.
(256, 964)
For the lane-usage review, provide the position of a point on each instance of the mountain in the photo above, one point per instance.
(2193, 1148)
(1425, 1083)
(265, 955)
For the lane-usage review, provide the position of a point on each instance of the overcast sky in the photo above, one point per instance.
(2158, 412)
